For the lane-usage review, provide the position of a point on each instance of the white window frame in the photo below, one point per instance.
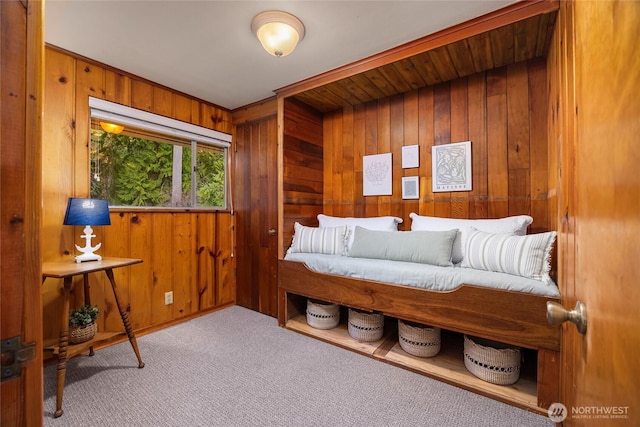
(128, 116)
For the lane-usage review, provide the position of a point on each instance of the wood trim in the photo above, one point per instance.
(513, 13)
(520, 320)
(120, 73)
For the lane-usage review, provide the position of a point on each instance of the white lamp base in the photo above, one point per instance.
(87, 250)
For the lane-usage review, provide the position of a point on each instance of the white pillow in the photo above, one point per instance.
(329, 240)
(526, 256)
(513, 225)
(376, 223)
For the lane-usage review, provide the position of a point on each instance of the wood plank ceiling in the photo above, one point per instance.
(519, 41)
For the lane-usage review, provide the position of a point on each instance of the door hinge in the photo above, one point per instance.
(14, 354)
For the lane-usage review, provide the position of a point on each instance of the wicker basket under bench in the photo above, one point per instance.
(513, 318)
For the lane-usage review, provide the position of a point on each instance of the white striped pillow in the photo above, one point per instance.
(328, 240)
(526, 256)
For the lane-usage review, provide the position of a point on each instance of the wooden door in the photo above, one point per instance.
(20, 287)
(256, 215)
(600, 385)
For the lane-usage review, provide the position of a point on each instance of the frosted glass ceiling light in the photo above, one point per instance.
(279, 32)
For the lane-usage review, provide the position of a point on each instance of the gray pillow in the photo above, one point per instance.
(425, 247)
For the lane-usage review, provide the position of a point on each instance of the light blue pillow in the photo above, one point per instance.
(425, 247)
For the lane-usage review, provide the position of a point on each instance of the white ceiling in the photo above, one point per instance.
(206, 49)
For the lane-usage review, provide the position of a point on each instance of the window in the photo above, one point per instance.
(155, 161)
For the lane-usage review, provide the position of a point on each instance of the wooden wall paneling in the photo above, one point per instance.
(460, 55)
(57, 159)
(478, 204)
(503, 38)
(141, 279)
(335, 179)
(359, 205)
(225, 266)
(184, 264)
(214, 118)
(538, 106)
(116, 243)
(141, 95)
(383, 136)
(442, 135)
(182, 108)
(328, 123)
(206, 245)
(482, 54)
(411, 130)
(409, 74)
(196, 114)
(117, 87)
(426, 140)
(396, 141)
(90, 82)
(162, 252)
(162, 102)
(459, 133)
(352, 128)
(365, 121)
(497, 167)
(518, 138)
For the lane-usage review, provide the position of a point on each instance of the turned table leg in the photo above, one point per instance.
(125, 317)
(63, 344)
(87, 299)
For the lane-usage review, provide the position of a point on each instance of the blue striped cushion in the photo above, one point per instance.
(328, 240)
(526, 256)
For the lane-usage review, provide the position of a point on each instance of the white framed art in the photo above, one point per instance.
(451, 167)
(376, 177)
(410, 187)
(410, 156)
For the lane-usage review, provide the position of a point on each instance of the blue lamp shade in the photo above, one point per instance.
(87, 212)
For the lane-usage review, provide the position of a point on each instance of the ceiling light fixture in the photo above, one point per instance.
(279, 32)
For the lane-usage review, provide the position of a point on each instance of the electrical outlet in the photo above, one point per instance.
(168, 298)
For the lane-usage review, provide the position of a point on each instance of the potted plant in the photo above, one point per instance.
(82, 323)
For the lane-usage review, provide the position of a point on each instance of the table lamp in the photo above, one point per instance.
(87, 212)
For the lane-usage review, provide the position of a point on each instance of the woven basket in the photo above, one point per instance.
(82, 334)
(491, 361)
(418, 340)
(365, 326)
(322, 315)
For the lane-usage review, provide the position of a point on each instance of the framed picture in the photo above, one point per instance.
(451, 167)
(376, 175)
(410, 156)
(410, 187)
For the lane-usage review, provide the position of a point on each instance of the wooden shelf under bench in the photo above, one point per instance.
(447, 365)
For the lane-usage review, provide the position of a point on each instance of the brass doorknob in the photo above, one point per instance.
(557, 314)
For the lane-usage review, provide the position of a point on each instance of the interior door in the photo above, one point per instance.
(256, 207)
(601, 384)
(20, 284)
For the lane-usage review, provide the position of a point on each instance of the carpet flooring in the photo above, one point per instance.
(236, 367)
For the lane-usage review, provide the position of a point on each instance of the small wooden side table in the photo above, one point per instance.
(66, 270)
